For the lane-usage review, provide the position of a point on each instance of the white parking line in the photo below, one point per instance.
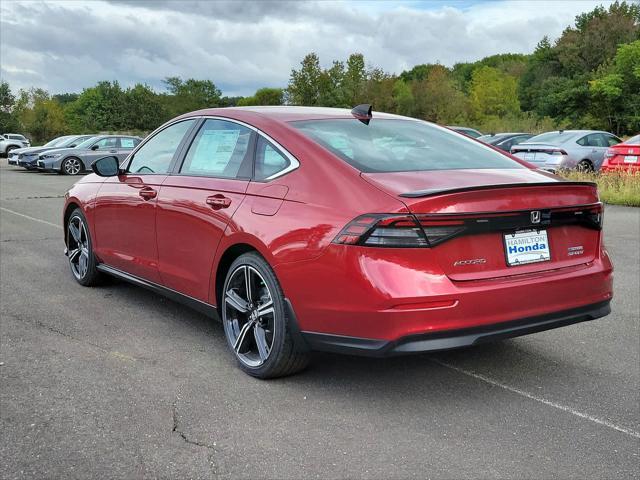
(30, 218)
(564, 408)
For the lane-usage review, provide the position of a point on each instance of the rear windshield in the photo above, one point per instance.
(387, 145)
(633, 140)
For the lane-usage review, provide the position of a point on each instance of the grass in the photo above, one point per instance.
(620, 188)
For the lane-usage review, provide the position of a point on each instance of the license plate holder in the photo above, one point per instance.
(526, 246)
(630, 159)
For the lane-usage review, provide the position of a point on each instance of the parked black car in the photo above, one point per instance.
(504, 141)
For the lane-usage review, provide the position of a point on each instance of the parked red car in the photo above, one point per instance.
(346, 231)
(623, 157)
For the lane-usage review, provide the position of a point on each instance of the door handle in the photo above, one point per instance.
(218, 201)
(113, 151)
(147, 193)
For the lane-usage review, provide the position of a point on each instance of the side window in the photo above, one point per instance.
(155, 156)
(126, 142)
(219, 150)
(611, 140)
(583, 142)
(269, 160)
(105, 143)
(596, 140)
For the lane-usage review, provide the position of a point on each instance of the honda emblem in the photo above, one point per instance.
(535, 216)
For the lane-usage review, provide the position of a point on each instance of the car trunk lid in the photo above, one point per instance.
(499, 223)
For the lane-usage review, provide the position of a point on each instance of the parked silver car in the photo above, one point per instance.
(72, 161)
(579, 149)
(28, 157)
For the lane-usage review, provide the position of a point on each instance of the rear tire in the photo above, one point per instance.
(585, 166)
(256, 324)
(82, 261)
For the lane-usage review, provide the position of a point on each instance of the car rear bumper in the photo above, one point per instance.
(446, 340)
(391, 294)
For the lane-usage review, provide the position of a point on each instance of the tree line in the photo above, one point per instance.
(588, 78)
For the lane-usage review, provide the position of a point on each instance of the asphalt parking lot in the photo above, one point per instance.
(118, 382)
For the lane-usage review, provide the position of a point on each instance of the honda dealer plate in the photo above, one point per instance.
(529, 156)
(630, 158)
(526, 246)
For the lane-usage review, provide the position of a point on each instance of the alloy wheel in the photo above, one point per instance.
(78, 247)
(249, 315)
(72, 166)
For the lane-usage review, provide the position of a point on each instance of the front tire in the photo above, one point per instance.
(71, 166)
(82, 261)
(256, 324)
(9, 149)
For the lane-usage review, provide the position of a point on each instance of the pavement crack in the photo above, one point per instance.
(186, 438)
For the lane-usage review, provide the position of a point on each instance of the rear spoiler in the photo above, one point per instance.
(431, 192)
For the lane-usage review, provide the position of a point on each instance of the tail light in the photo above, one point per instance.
(610, 153)
(554, 151)
(397, 231)
(429, 230)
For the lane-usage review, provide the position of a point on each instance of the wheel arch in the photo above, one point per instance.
(224, 262)
(69, 208)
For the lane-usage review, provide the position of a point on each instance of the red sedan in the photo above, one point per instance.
(623, 157)
(328, 229)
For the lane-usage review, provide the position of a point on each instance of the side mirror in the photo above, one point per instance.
(95, 147)
(106, 166)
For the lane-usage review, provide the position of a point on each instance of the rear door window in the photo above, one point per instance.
(219, 149)
(126, 142)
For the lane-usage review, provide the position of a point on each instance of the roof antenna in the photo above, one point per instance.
(362, 112)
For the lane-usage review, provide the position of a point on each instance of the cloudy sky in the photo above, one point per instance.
(242, 45)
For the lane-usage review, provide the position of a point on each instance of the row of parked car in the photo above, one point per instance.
(588, 150)
(72, 154)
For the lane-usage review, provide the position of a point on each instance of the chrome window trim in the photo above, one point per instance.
(293, 161)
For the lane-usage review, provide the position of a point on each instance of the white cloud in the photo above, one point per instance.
(241, 46)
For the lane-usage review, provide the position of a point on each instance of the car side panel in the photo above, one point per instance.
(189, 229)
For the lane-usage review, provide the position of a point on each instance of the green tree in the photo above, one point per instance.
(403, 98)
(188, 95)
(355, 77)
(438, 98)
(304, 84)
(493, 93)
(145, 111)
(615, 91)
(102, 108)
(8, 120)
(263, 96)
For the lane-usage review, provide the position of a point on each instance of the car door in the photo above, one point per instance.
(197, 202)
(101, 148)
(125, 207)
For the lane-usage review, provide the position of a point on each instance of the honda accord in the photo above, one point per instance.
(340, 230)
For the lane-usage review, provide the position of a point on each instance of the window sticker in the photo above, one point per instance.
(126, 142)
(214, 150)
